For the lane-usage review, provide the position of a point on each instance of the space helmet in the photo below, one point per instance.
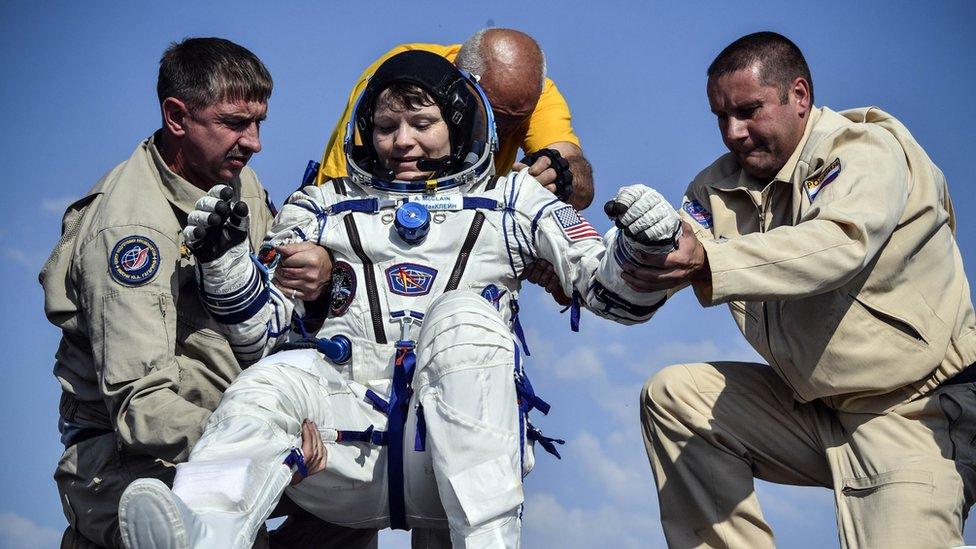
(464, 107)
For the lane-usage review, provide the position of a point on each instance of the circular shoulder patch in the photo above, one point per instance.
(134, 260)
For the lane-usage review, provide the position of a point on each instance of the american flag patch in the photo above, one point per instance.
(573, 224)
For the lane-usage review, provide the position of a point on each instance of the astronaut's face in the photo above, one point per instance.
(402, 135)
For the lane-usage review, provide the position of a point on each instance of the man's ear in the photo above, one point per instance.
(800, 90)
(175, 113)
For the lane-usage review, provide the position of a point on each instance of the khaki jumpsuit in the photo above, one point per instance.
(844, 275)
(141, 364)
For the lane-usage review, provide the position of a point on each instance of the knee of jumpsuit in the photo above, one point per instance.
(462, 331)
(466, 360)
(268, 400)
(671, 393)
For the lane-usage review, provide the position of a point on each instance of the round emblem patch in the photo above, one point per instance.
(343, 288)
(134, 260)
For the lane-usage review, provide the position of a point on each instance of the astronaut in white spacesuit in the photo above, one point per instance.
(415, 379)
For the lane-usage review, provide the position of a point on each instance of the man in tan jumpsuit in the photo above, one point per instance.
(140, 363)
(830, 237)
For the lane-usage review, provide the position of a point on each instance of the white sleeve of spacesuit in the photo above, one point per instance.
(588, 269)
(253, 313)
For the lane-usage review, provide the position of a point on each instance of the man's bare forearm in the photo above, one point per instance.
(582, 195)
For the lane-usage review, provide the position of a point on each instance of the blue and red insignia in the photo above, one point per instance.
(343, 288)
(410, 279)
(698, 213)
(493, 295)
(814, 185)
(134, 260)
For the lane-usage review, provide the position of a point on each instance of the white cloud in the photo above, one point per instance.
(30, 260)
(541, 347)
(581, 367)
(17, 532)
(617, 350)
(616, 466)
(56, 205)
(676, 351)
(546, 523)
(585, 365)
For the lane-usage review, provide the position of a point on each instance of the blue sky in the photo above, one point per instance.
(79, 90)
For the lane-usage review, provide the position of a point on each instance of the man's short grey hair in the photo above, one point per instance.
(205, 71)
(472, 59)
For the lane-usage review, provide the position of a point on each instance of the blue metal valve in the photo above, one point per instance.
(338, 349)
(412, 222)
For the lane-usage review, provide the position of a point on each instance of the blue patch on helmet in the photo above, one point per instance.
(134, 260)
(410, 279)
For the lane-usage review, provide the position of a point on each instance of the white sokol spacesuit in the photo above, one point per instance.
(421, 398)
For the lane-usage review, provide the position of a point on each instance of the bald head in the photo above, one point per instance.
(512, 69)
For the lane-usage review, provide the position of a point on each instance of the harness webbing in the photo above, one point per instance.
(403, 368)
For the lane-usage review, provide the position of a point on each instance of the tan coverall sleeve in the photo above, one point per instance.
(133, 337)
(836, 237)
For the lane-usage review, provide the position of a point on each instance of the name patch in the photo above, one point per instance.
(410, 279)
(815, 185)
(441, 203)
(698, 213)
(134, 260)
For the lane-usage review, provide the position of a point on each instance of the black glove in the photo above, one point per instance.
(216, 225)
(564, 176)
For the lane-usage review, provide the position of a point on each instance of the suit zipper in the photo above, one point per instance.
(462, 258)
(769, 338)
(372, 294)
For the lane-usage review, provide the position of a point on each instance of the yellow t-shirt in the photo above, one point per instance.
(549, 123)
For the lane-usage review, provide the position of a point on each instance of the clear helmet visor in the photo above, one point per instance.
(473, 163)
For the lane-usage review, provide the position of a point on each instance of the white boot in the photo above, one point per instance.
(213, 504)
(151, 516)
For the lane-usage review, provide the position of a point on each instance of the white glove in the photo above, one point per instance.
(216, 225)
(650, 224)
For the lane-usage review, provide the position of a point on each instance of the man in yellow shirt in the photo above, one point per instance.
(530, 113)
